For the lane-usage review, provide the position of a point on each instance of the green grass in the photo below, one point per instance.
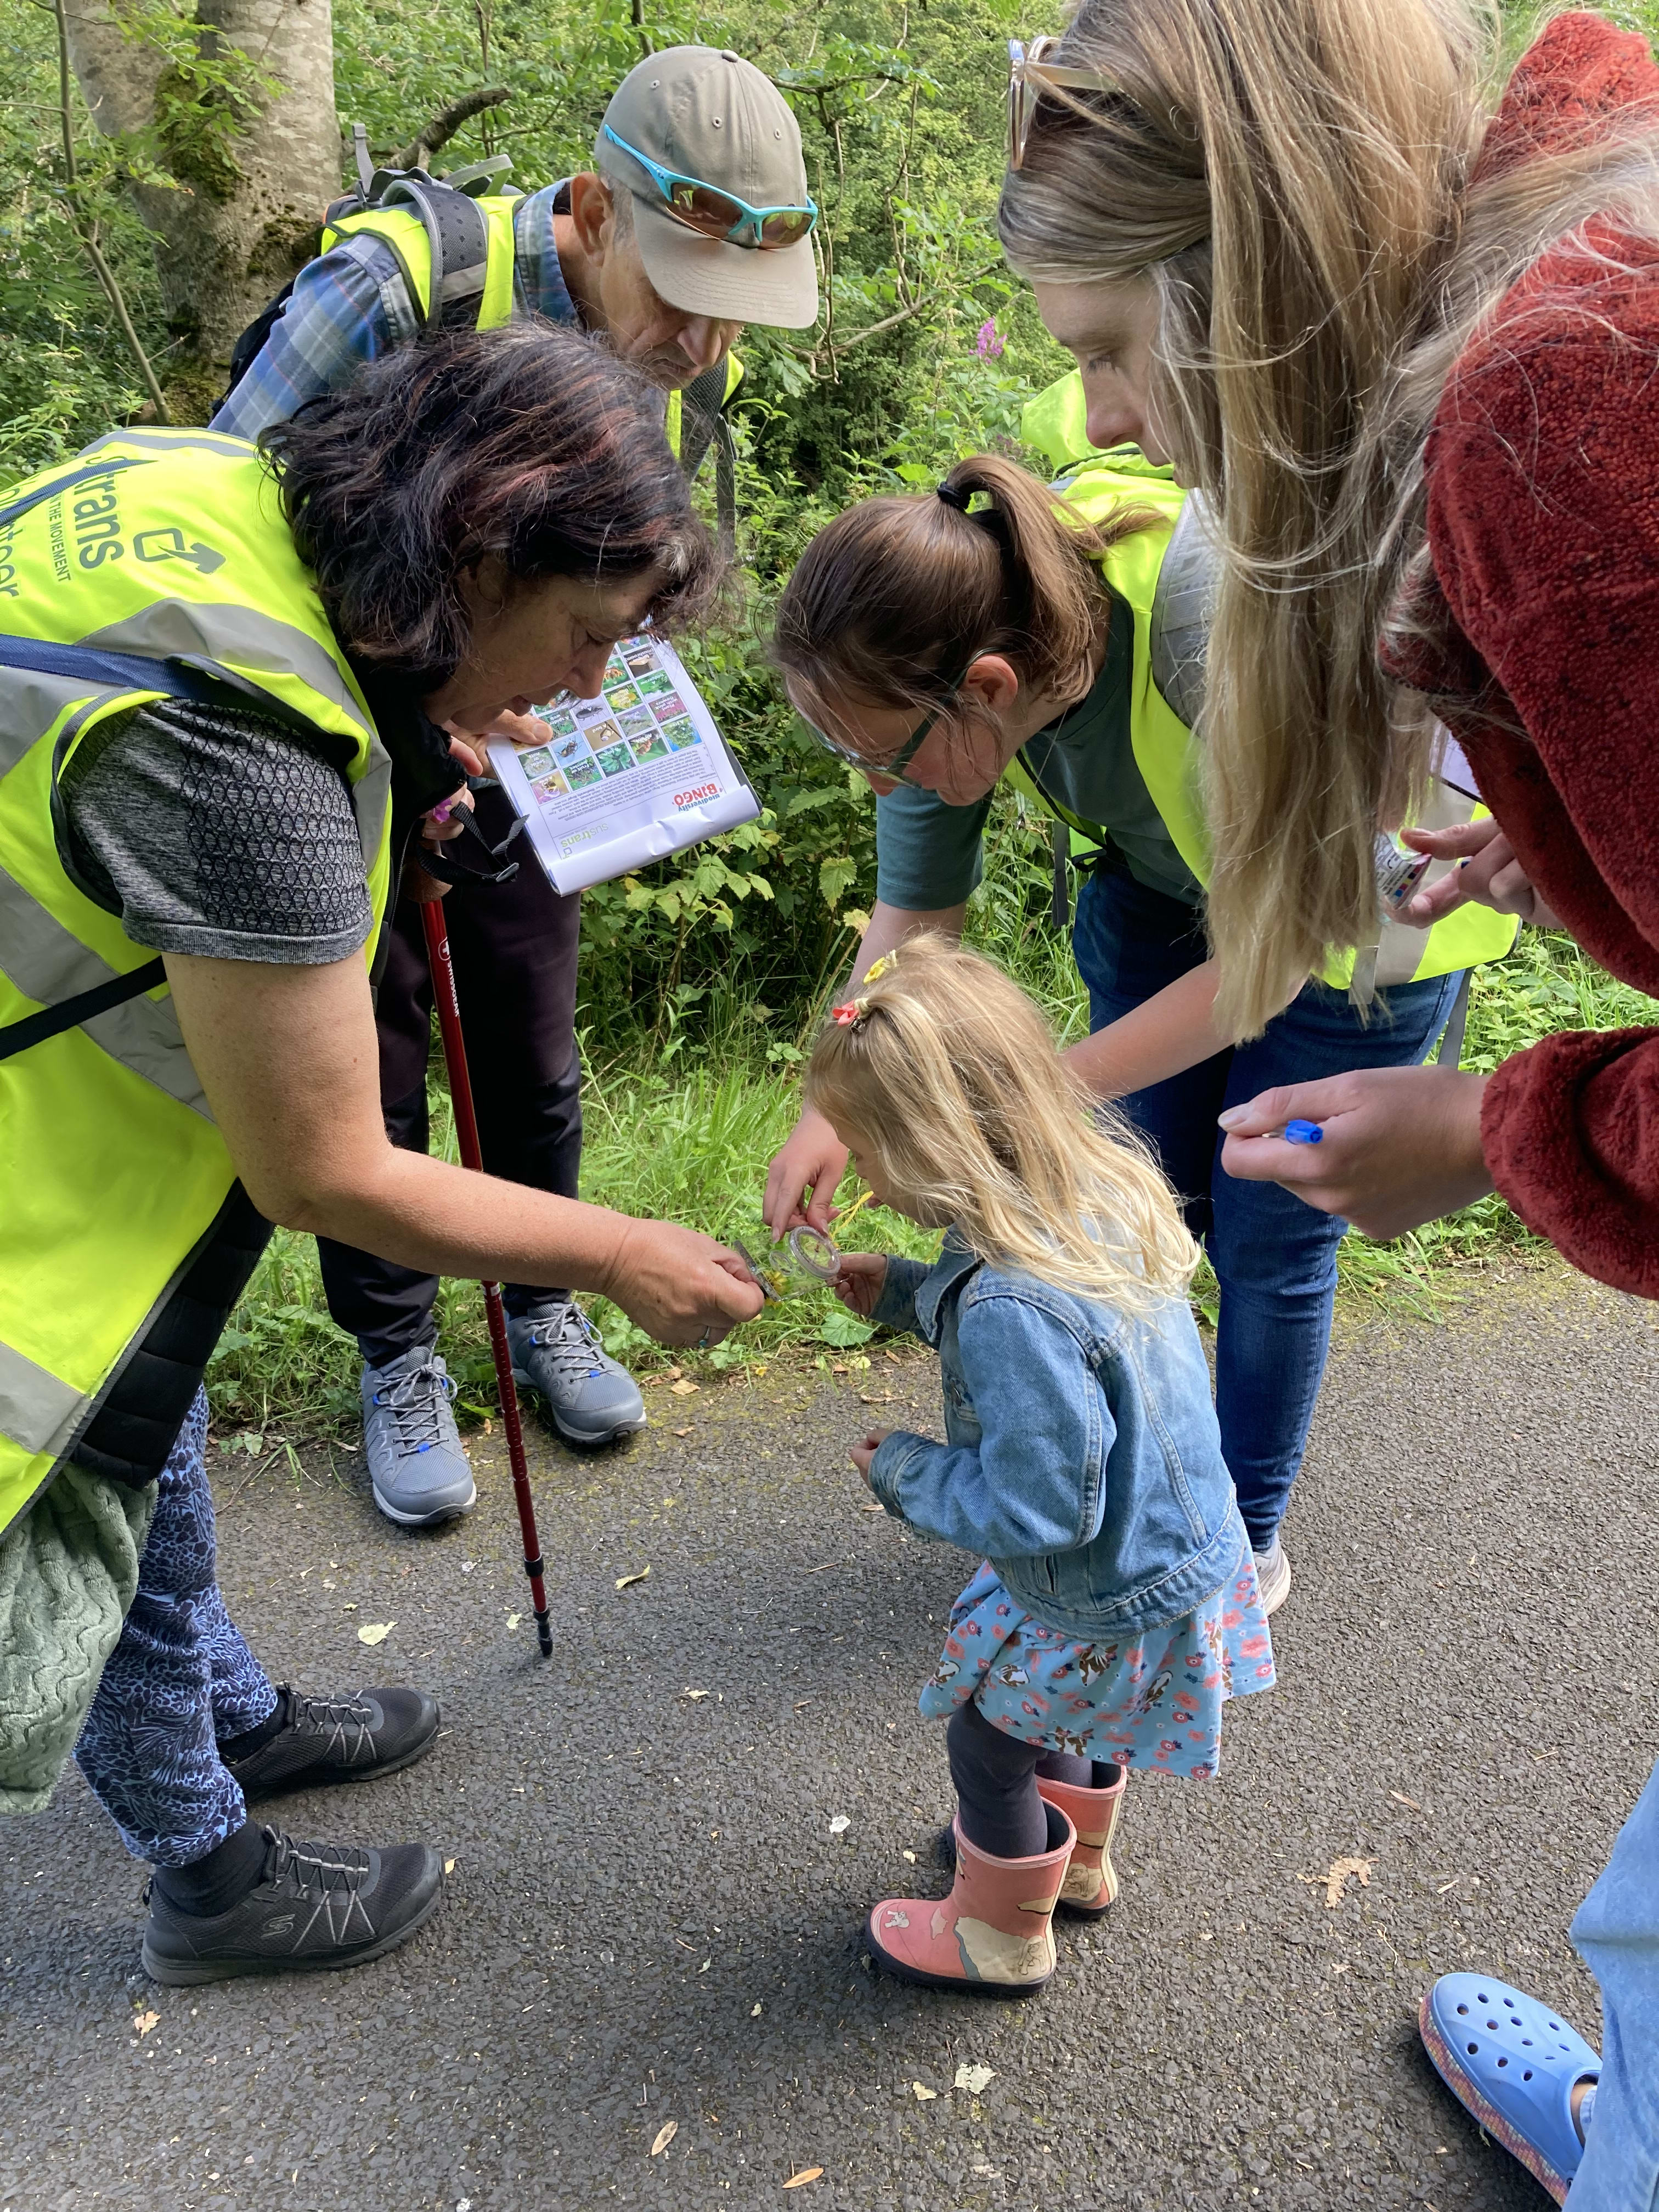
(689, 1140)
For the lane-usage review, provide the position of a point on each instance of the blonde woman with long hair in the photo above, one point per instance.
(1404, 337)
(1117, 1606)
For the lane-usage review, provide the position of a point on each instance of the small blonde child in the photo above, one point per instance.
(1116, 1608)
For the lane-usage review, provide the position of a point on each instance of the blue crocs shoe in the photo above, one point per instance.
(1514, 2066)
(558, 1355)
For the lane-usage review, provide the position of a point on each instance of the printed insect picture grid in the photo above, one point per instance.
(569, 749)
(637, 722)
(652, 748)
(621, 697)
(682, 734)
(541, 761)
(654, 686)
(615, 760)
(583, 771)
(550, 787)
(601, 734)
(641, 661)
(667, 705)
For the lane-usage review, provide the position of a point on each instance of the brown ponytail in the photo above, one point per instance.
(892, 599)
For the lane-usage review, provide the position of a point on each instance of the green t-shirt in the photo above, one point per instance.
(930, 856)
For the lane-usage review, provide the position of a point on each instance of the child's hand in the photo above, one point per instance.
(864, 1453)
(859, 1283)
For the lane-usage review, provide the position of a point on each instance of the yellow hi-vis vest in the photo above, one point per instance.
(402, 229)
(154, 545)
(1097, 486)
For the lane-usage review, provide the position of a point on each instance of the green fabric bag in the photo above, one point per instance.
(68, 1572)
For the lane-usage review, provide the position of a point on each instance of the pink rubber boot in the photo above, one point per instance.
(1091, 1882)
(992, 1933)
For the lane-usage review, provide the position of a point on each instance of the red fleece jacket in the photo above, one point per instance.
(1543, 522)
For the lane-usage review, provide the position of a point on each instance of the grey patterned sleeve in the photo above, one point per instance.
(218, 832)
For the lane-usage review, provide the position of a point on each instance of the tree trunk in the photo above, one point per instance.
(237, 229)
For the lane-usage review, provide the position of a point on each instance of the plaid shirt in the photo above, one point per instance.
(352, 305)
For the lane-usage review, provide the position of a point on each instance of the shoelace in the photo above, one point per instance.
(413, 1400)
(330, 1717)
(316, 1868)
(570, 1337)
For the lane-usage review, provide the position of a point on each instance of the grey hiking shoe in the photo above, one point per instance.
(560, 1357)
(315, 1906)
(351, 1739)
(416, 1464)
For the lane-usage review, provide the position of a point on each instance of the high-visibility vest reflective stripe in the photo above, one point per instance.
(1097, 486)
(111, 1171)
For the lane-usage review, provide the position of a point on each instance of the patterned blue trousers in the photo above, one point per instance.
(180, 1678)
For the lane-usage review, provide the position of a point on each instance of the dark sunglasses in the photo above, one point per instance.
(712, 213)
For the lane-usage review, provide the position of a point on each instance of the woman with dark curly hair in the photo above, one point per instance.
(222, 713)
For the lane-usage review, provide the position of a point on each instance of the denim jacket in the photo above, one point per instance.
(1083, 1457)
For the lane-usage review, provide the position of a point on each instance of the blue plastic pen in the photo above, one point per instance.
(1303, 1133)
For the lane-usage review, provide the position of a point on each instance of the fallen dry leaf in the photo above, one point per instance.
(694, 1695)
(513, 1619)
(910, 1858)
(627, 1582)
(449, 1866)
(839, 1825)
(807, 2173)
(1336, 1880)
(922, 2093)
(685, 1387)
(665, 2134)
(755, 2011)
(375, 1632)
(682, 1432)
(973, 2079)
(146, 2020)
(1401, 1798)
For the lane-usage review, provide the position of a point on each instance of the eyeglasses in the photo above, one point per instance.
(1030, 75)
(893, 770)
(712, 213)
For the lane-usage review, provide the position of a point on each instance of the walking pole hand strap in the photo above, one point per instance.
(443, 862)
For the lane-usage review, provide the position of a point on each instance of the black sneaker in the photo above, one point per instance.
(315, 1908)
(352, 1739)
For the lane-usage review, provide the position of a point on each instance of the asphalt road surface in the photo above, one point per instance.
(653, 1911)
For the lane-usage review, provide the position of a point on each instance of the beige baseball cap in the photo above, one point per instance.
(709, 114)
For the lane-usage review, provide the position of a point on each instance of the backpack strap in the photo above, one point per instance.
(458, 236)
(703, 423)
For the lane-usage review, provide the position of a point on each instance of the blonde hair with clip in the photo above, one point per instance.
(947, 1072)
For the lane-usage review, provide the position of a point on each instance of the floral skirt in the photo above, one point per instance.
(1152, 1698)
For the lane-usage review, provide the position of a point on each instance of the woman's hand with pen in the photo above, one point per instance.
(1397, 1146)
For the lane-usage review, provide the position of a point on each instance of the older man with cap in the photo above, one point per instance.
(695, 220)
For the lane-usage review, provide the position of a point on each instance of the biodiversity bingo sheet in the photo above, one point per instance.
(629, 777)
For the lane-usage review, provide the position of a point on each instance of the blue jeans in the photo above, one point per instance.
(1617, 1936)
(180, 1680)
(1274, 1258)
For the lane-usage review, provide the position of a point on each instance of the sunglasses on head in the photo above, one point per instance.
(1029, 76)
(712, 213)
(893, 769)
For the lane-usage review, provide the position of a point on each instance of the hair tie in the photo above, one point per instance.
(954, 495)
(853, 1013)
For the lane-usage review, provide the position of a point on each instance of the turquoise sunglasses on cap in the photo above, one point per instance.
(714, 213)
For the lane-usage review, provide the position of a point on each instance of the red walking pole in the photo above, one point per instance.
(466, 1128)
